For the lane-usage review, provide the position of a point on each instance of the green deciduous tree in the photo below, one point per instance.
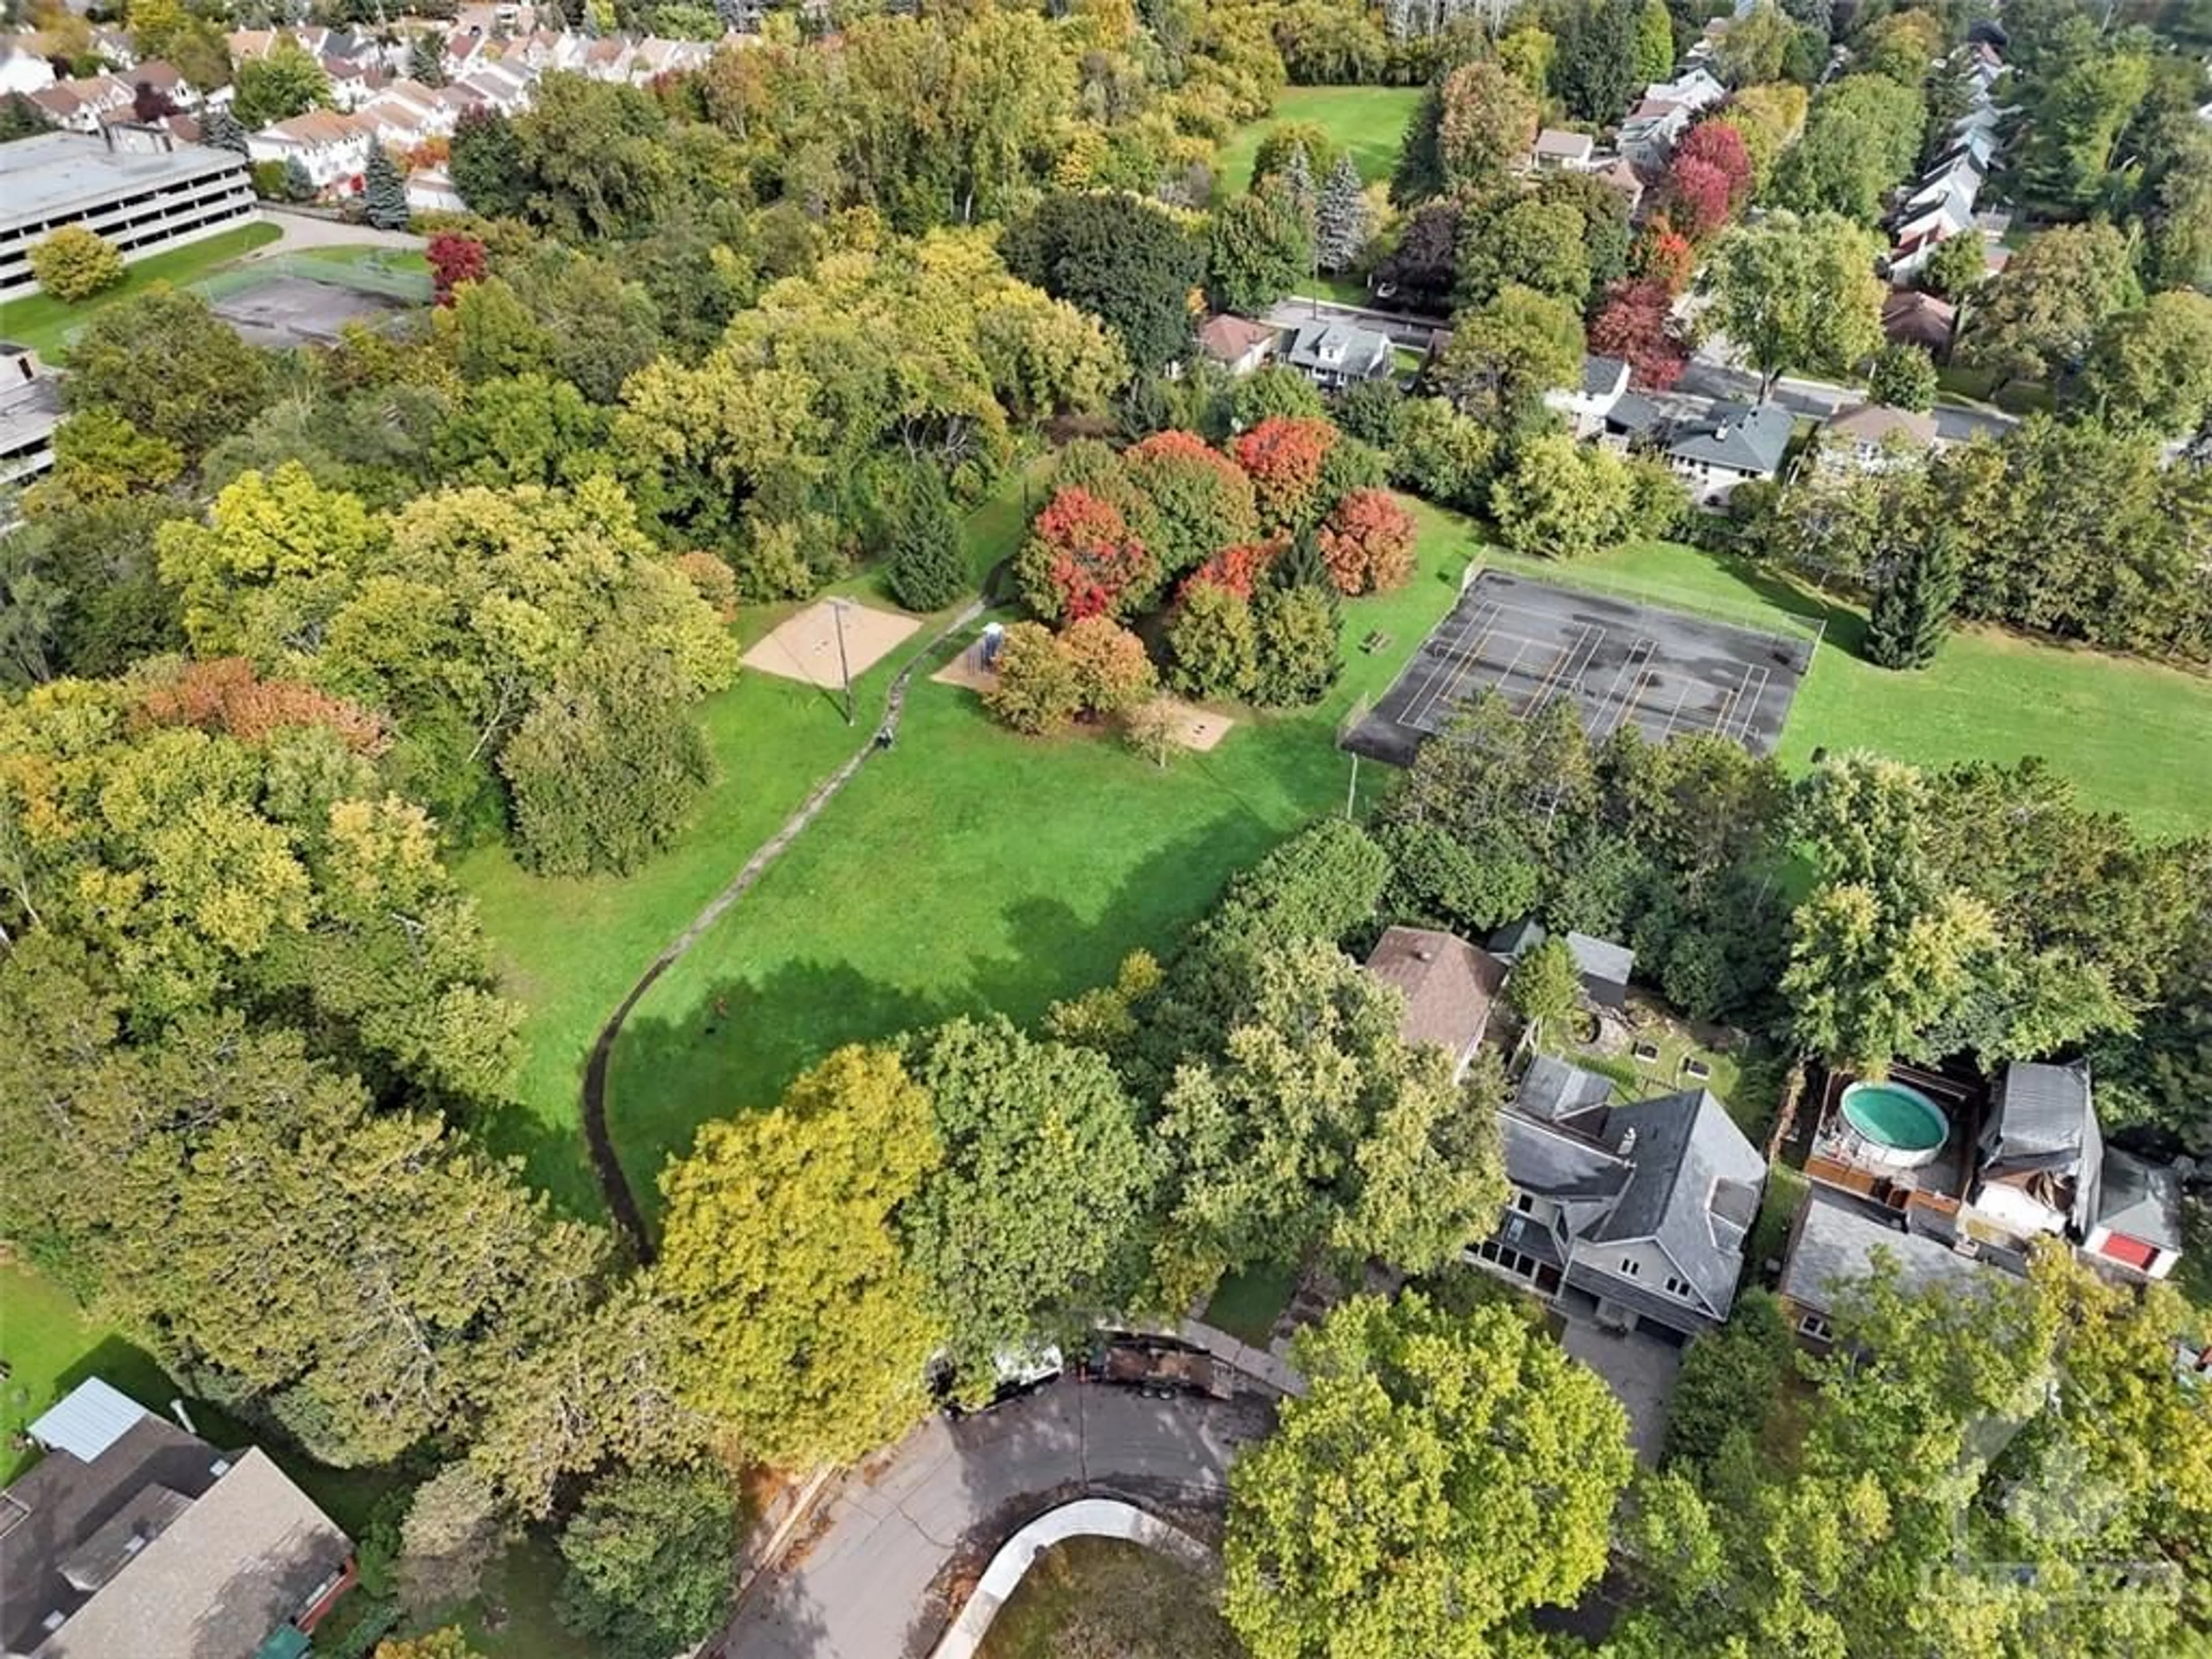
(1655, 42)
(74, 263)
(1799, 294)
(1318, 1127)
(807, 1328)
(1958, 266)
(1393, 1509)
(2039, 317)
(1033, 1224)
(1258, 248)
(1301, 653)
(1124, 260)
(1903, 377)
(162, 361)
(1503, 357)
(2152, 367)
(285, 81)
(1544, 987)
(607, 765)
(1213, 644)
(650, 1561)
(1557, 498)
(1862, 134)
(1485, 122)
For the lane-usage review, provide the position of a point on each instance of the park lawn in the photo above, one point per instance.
(569, 948)
(1368, 121)
(2134, 737)
(42, 323)
(971, 870)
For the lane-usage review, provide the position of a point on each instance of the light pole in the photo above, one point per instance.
(844, 668)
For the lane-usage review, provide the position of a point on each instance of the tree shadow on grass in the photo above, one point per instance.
(739, 1046)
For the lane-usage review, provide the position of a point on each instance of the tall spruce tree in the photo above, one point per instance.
(384, 191)
(221, 131)
(1341, 223)
(1913, 599)
(1297, 183)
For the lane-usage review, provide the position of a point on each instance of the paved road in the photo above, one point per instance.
(1404, 328)
(1705, 377)
(857, 1590)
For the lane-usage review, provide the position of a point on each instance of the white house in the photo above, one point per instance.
(1652, 130)
(430, 190)
(1588, 403)
(1875, 438)
(332, 148)
(23, 71)
(1697, 89)
(85, 105)
(1333, 355)
(350, 82)
(1555, 151)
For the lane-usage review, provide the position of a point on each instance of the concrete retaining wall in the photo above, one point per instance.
(1087, 1517)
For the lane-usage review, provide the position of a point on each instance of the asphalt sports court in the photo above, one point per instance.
(288, 311)
(1620, 662)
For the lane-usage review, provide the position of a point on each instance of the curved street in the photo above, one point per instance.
(859, 1587)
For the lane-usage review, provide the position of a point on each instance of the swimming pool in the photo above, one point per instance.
(1898, 1126)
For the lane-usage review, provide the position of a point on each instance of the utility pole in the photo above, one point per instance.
(844, 668)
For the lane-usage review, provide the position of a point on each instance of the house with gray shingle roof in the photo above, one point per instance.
(1835, 1245)
(1587, 404)
(1637, 1211)
(1727, 444)
(1333, 355)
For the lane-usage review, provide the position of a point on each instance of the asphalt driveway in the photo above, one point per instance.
(1640, 1369)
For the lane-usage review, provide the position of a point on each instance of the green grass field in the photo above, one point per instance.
(569, 948)
(43, 324)
(1145, 1591)
(972, 869)
(2134, 737)
(1368, 121)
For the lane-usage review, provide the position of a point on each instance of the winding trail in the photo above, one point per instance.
(614, 1184)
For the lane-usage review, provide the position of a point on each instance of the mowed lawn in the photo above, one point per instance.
(1368, 121)
(43, 323)
(569, 948)
(2134, 737)
(970, 869)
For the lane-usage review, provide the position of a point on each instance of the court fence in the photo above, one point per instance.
(1758, 618)
(369, 276)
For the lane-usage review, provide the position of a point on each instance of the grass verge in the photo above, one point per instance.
(1247, 1304)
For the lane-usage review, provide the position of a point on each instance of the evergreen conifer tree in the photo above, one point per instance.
(1914, 601)
(1341, 226)
(425, 63)
(1298, 182)
(384, 191)
(221, 131)
(927, 570)
(297, 185)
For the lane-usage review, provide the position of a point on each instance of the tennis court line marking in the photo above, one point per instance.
(1460, 653)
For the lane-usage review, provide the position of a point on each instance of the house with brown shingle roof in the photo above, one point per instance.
(1238, 343)
(1448, 985)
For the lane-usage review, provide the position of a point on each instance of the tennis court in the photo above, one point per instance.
(1618, 662)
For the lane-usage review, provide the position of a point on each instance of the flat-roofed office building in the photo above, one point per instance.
(134, 185)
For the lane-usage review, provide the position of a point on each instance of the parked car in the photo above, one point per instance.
(1016, 1373)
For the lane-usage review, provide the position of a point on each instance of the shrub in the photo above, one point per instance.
(1275, 391)
(712, 579)
(1038, 690)
(73, 264)
(1372, 412)
(454, 259)
(1112, 672)
(1368, 544)
(1730, 1380)
(1215, 643)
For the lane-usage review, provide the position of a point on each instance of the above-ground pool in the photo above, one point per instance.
(1897, 1124)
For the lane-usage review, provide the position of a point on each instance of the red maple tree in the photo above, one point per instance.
(1635, 325)
(454, 259)
(1697, 195)
(1091, 563)
(1235, 569)
(1283, 455)
(1718, 145)
(1367, 543)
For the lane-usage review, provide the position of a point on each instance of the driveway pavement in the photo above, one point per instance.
(1639, 1368)
(1820, 399)
(857, 1589)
